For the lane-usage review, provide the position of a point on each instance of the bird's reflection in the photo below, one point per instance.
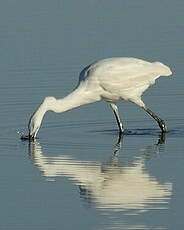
(109, 185)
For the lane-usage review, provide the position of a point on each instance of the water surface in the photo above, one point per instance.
(74, 176)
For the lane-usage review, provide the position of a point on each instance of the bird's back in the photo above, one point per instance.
(123, 75)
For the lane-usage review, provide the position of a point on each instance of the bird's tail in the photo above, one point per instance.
(163, 70)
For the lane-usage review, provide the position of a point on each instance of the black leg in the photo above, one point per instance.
(161, 139)
(160, 122)
(118, 119)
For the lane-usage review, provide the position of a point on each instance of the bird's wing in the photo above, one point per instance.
(127, 77)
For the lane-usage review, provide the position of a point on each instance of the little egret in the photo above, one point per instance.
(111, 80)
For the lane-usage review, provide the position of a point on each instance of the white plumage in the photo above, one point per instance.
(111, 79)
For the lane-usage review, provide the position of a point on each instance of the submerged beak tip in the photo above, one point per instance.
(29, 137)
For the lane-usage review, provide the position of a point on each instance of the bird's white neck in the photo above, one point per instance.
(75, 99)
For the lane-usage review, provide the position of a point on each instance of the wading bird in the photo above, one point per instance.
(111, 80)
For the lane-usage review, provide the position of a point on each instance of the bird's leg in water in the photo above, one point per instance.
(118, 144)
(160, 122)
(161, 139)
(120, 126)
(118, 119)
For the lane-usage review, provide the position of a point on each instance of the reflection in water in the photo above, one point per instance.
(109, 186)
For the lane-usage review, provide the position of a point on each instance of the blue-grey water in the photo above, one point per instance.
(73, 176)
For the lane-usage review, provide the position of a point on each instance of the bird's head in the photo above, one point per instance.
(36, 119)
(33, 127)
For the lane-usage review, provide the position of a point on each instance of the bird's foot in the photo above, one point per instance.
(117, 148)
(161, 139)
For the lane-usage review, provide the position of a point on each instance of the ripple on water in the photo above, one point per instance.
(110, 186)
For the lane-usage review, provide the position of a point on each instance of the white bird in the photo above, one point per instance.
(111, 80)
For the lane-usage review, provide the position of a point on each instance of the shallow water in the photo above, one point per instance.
(75, 176)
